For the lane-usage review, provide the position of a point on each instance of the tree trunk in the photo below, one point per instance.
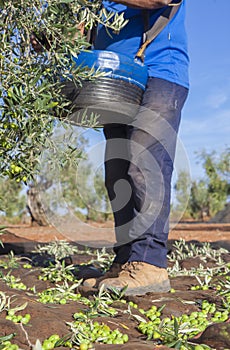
(35, 208)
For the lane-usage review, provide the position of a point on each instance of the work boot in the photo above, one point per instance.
(140, 278)
(113, 272)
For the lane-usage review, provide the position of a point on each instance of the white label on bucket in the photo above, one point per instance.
(109, 62)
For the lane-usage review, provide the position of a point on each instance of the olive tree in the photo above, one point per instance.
(30, 89)
(31, 103)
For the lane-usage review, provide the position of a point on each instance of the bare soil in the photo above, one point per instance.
(47, 319)
(201, 231)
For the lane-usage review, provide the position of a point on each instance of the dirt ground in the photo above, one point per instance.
(48, 319)
(203, 232)
(97, 235)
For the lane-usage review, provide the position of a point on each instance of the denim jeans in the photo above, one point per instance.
(138, 170)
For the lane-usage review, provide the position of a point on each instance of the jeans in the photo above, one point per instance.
(138, 170)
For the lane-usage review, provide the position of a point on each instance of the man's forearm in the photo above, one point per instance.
(144, 4)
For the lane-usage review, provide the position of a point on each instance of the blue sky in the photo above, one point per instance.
(205, 122)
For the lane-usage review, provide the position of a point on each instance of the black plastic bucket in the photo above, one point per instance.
(116, 96)
(107, 90)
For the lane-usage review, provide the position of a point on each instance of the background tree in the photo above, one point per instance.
(58, 167)
(182, 189)
(12, 199)
(210, 194)
(217, 170)
(85, 192)
(87, 196)
(64, 183)
(106, 210)
(199, 201)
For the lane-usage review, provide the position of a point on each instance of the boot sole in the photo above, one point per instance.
(163, 287)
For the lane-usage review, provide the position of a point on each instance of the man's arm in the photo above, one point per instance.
(144, 4)
(40, 43)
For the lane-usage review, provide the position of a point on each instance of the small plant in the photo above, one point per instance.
(27, 266)
(59, 249)
(4, 301)
(11, 314)
(223, 289)
(201, 270)
(57, 273)
(24, 319)
(103, 259)
(60, 294)
(5, 342)
(182, 250)
(55, 341)
(100, 305)
(12, 281)
(175, 332)
(13, 262)
(87, 333)
(2, 228)
(116, 294)
(203, 285)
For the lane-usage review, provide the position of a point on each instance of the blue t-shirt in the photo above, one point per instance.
(166, 57)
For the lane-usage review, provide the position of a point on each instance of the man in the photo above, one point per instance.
(145, 158)
(139, 157)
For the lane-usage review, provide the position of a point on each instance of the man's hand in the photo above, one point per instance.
(39, 43)
(144, 4)
(35, 43)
